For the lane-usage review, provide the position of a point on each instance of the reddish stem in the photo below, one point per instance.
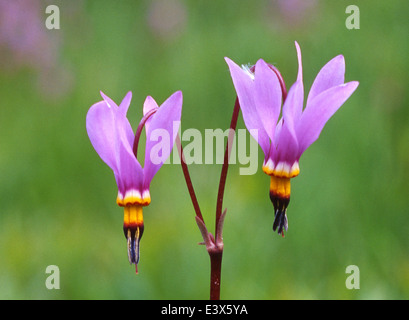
(214, 245)
(281, 80)
(223, 176)
(188, 180)
(216, 253)
(215, 274)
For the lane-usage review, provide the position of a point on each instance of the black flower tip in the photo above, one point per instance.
(280, 221)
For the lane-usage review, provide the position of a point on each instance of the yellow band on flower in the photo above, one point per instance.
(133, 216)
(280, 187)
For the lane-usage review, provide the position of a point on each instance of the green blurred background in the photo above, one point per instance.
(57, 198)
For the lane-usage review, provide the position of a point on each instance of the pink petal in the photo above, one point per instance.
(287, 143)
(277, 132)
(331, 75)
(287, 146)
(299, 58)
(267, 96)
(111, 136)
(101, 129)
(244, 85)
(130, 171)
(162, 133)
(296, 107)
(124, 106)
(120, 114)
(109, 101)
(149, 104)
(320, 110)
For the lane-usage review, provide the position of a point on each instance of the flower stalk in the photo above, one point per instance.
(139, 130)
(214, 244)
(188, 179)
(225, 167)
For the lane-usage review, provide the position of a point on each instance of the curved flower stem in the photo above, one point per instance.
(183, 162)
(216, 253)
(281, 80)
(139, 130)
(214, 244)
(211, 246)
(279, 77)
(188, 180)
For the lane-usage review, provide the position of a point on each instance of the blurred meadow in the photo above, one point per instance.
(57, 198)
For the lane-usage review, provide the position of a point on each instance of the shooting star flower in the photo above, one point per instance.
(113, 139)
(260, 91)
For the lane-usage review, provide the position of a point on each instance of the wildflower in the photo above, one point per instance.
(284, 140)
(113, 139)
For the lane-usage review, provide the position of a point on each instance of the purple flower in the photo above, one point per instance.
(113, 139)
(284, 140)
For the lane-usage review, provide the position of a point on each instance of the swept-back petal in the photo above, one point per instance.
(277, 132)
(148, 105)
(299, 58)
(319, 111)
(161, 135)
(244, 85)
(122, 122)
(287, 146)
(267, 96)
(296, 106)
(109, 101)
(130, 171)
(126, 101)
(287, 143)
(331, 75)
(112, 137)
(101, 129)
